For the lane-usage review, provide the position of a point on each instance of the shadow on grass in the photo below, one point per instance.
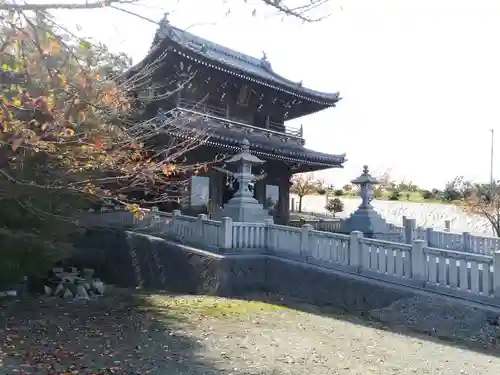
(360, 316)
(121, 333)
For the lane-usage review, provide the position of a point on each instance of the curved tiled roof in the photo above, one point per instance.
(261, 144)
(274, 149)
(233, 62)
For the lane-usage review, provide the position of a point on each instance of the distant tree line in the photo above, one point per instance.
(456, 190)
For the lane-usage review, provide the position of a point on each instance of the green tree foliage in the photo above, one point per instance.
(457, 189)
(395, 195)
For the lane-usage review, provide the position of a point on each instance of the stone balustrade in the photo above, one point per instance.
(408, 231)
(464, 242)
(413, 262)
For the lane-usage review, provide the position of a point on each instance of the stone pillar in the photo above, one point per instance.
(447, 225)
(418, 260)
(200, 226)
(410, 226)
(466, 241)
(269, 234)
(429, 236)
(304, 240)
(226, 234)
(496, 274)
(355, 249)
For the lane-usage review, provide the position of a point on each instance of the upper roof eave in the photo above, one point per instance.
(253, 69)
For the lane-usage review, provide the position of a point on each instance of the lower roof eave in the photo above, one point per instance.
(292, 154)
(308, 157)
(304, 168)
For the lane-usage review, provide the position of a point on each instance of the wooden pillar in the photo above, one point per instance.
(280, 176)
(285, 197)
(216, 185)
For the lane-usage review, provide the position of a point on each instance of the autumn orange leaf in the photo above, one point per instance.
(169, 169)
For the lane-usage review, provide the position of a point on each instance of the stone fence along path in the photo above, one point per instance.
(475, 277)
(427, 215)
(406, 233)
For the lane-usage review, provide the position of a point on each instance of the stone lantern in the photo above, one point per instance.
(365, 219)
(243, 207)
(365, 183)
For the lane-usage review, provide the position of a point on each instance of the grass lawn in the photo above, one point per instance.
(406, 196)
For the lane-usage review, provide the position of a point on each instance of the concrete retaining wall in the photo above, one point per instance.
(130, 259)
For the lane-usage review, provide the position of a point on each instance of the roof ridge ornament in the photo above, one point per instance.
(245, 145)
(164, 19)
(264, 62)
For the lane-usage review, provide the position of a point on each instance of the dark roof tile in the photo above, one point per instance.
(258, 68)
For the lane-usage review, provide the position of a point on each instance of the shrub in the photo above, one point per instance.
(377, 192)
(395, 195)
(334, 205)
(408, 195)
(450, 194)
(321, 191)
(426, 194)
(338, 192)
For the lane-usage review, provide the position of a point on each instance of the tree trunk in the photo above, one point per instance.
(496, 229)
(300, 203)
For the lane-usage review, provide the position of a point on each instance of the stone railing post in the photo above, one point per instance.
(429, 235)
(447, 225)
(152, 217)
(410, 226)
(304, 239)
(417, 257)
(268, 240)
(200, 224)
(175, 221)
(355, 259)
(466, 242)
(226, 234)
(496, 274)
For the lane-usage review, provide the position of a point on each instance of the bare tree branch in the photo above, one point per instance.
(60, 6)
(301, 12)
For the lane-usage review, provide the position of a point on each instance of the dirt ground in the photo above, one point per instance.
(128, 332)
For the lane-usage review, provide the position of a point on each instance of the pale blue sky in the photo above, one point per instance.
(420, 78)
